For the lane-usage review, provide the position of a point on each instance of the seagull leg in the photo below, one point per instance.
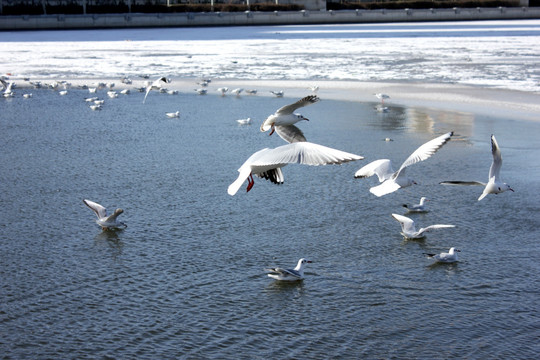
(250, 182)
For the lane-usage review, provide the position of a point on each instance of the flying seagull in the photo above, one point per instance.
(392, 181)
(156, 85)
(494, 185)
(285, 116)
(267, 163)
(106, 222)
(408, 230)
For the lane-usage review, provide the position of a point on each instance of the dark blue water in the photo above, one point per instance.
(186, 278)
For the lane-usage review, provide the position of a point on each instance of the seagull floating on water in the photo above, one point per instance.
(267, 163)
(285, 116)
(289, 274)
(392, 181)
(279, 93)
(418, 208)
(156, 85)
(246, 121)
(494, 185)
(109, 222)
(408, 230)
(449, 257)
(173, 114)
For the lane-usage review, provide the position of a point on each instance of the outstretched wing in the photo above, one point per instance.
(100, 211)
(433, 227)
(425, 151)
(304, 153)
(407, 224)
(495, 168)
(290, 133)
(382, 168)
(289, 109)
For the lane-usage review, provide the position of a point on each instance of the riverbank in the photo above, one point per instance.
(138, 20)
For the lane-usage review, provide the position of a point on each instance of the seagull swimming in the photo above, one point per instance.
(156, 85)
(245, 121)
(173, 114)
(289, 274)
(494, 185)
(106, 222)
(449, 257)
(418, 208)
(392, 181)
(408, 230)
(285, 115)
(267, 163)
(279, 93)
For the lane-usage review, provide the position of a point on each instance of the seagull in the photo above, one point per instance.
(156, 85)
(381, 97)
(246, 121)
(237, 91)
(277, 93)
(63, 92)
(448, 257)
(96, 107)
(418, 208)
(201, 91)
(408, 230)
(494, 185)
(173, 114)
(267, 163)
(27, 96)
(286, 116)
(289, 274)
(223, 90)
(125, 92)
(392, 181)
(251, 91)
(314, 88)
(7, 92)
(106, 222)
(112, 94)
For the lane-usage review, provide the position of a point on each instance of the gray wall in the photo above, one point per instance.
(260, 18)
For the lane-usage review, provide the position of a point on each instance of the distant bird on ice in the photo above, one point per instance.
(381, 97)
(392, 181)
(106, 222)
(289, 274)
(223, 90)
(408, 229)
(449, 257)
(267, 163)
(279, 93)
(494, 185)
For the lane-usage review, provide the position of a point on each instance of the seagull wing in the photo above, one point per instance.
(382, 168)
(495, 168)
(289, 109)
(407, 224)
(467, 183)
(290, 133)
(387, 187)
(304, 153)
(148, 88)
(100, 211)
(432, 227)
(285, 272)
(425, 151)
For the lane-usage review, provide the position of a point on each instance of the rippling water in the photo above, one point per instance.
(186, 279)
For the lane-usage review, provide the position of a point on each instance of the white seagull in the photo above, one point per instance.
(289, 274)
(156, 85)
(381, 97)
(237, 91)
(408, 230)
(246, 121)
(223, 90)
(392, 181)
(173, 114)
(106, 222)
(279, 93)
(449, 257)
(494, 185)
(418, 208)
(285, 115)
(267, 163)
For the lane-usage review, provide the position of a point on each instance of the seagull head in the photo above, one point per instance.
(301, 263)
(301, 117)
(118, 211)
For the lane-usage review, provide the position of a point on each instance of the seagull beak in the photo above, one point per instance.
(309, 261)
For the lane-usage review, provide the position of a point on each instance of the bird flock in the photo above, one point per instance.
(267, 163)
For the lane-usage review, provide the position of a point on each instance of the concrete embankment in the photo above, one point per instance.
(42, 22)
